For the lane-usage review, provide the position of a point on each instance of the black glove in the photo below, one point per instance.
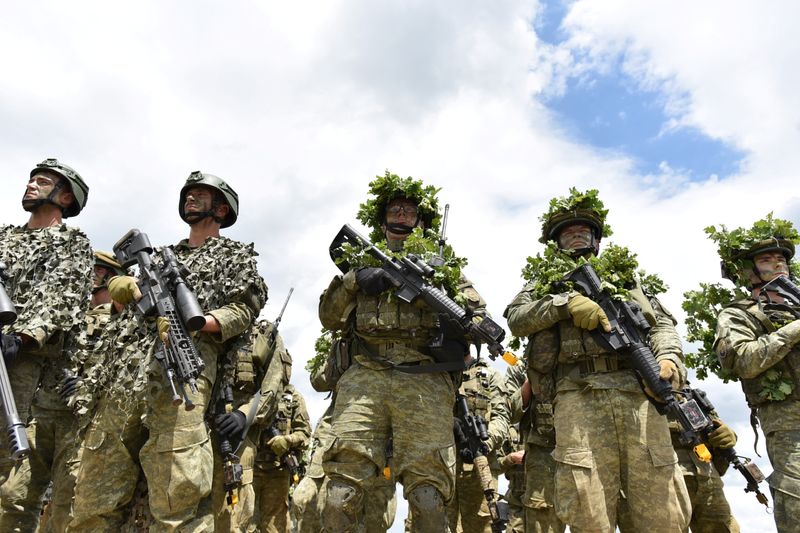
(69, 386)
(462, 444)
(373, 280)
(230, 424)
(11, 344)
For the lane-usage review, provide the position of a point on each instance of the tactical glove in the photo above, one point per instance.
(69, 386)
(723, 437)
(230, 424)
(11, 344)
(372, 280)
(586, 314)
(279, 445)
(163, 328)
(669, 372)
(123, 289)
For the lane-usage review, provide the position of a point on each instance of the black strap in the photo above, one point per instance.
(447, 366)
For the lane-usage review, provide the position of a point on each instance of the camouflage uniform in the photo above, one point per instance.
(483, 387)
(751, 343)
(50, 279)
(610, 438)
(256, 362)
(271, 478)
(515, 474)
(376, 402)
(538, 435)
(137, 424)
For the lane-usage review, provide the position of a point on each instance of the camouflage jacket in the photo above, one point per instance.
(292, 421)
(403, 330)
(763, 354)
(483, 387)
(50, 278)
(553, 340)
(320, 440)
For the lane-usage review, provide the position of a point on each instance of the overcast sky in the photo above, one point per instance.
(682, 113)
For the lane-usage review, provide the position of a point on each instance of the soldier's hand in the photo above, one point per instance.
(123, 289)
(279, 445)
(163, 328)
(372, 280)
(723, 437)
(586, 314)
(517, 457)
(668, 371)
(69, 386)
(11, 344)
(230, 424)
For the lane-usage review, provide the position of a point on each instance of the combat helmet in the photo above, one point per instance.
(209, 180)
(578, 207)
(108, 261)
(388, 187)
(79, 188)
(738, 247)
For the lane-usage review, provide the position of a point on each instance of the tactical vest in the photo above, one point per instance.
(387, 317)
(789, 366)
(475, 387)
(283, 421)
(542, 353)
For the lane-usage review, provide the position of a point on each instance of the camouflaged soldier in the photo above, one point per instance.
(272, 478)
(255, 372)
(757, 341)
(534, 413)
(610, 440)
(378, 397)
(483, 387)
(49, 267)
(511, 466)
(136, 422)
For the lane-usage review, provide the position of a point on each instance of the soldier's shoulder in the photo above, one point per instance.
(235, 246)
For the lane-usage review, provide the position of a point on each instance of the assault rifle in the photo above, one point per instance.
(629, 330)
(783, 287)
(289, 459)
(411, 275)
(18, 439)
(165, 294)
(474, 450)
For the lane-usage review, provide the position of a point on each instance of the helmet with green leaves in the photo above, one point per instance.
(388, 187)
(225, 191)
(738, 247)
(78, 187)
(578, 207)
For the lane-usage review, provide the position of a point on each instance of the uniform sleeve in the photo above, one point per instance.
(338, 301)
(272, 385)
(498, 424)
(527, 315)
(301, 426)
(742, 347)
(515, 377)
(474, 301)
(234, 319)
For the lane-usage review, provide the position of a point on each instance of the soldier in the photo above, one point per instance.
(136, 422)
(378, 396)
(49, 267)
(757, 341)
(610, 440)
(272, 478)
(511, 465)
(483, 387)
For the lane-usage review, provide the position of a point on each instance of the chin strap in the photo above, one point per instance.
(33, 205)
(193, 218)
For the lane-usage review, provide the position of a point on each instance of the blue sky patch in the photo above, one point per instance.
(548, 20)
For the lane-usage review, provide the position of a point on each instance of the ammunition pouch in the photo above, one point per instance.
(592, 365)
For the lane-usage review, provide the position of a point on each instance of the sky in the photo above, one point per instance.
(683, 114)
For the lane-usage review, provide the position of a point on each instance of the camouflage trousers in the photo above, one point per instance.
(24, 375)
(173, 451)
(611, 443)
(468, 511)
(538, 499)
(271, 487)
(783, 448)
(240, 517)
(711, 512)
(415, 411)
(52, 436)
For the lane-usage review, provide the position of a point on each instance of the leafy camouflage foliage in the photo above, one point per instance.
(584, 203)
(322, 347)
(386, 188)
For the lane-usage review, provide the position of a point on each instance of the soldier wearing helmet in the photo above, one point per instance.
(758, 340)
(393, 388)
(609, 437)
(174, 448)
(49, 278)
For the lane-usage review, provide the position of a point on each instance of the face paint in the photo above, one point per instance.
(770, 265)
(38, 191)
(575, 237)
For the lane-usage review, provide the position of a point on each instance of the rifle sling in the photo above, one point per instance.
(420, 367)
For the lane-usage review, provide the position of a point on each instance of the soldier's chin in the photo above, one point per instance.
(29, 205)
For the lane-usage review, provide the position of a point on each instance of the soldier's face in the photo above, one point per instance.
(101, 275)
(575, 237)
(400, 211)
(201, 199)
(41, 185)
(770, 265)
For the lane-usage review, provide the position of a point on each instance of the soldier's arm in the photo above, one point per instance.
(61, 298)
(742, 347)
(301, 426)
(498, 427)
(338, 300)
(272, 384)
(527, 315)
(664, 340)
(474, 301)
(515, 377)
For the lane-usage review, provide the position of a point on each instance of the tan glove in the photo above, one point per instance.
(163, 328)
(723, 437)
(586, 314)
(279, 445)
(123, 289)
(668, 371)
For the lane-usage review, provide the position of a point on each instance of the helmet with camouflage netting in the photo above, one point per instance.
(388, 187)
(225, 191)
(79, 189)
(738, 247)
(578, 207)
